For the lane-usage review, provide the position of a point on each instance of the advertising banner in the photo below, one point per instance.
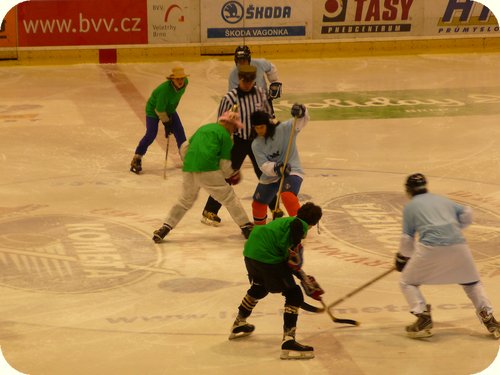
(8, 30)
(173, 21)
(82, 22)
(259, 20)
(459, 18)
(343, 19)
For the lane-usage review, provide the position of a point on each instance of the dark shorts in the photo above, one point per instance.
(275, 278)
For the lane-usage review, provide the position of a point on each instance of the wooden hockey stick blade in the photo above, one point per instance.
(339, 320)
(359, 289)
(307, 307)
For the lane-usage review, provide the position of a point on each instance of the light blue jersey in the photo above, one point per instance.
(437, 219)
(264, 69)
(268, 152)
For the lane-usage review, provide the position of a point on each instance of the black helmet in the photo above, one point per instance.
(416, 184)
(310, 213)
(262, 118)
(242, 53)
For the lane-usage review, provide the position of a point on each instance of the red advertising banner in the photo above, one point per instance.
(8, 30)
(82, 22)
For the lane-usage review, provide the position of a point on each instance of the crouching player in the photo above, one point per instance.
(277, 157)
(273, 255)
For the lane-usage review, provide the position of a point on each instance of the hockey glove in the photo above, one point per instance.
(275, 90)
(298, 110)
(280, 170)
(235, 178)
(311, 287)
(296, 257)
(400, 262)
(168, 127)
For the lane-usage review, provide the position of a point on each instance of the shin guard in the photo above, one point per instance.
(259, 211)
(291, 203)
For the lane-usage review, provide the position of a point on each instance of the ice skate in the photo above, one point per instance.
(291, 349)
(422, 327)
(135, 165)
(490, 323)
(210, 218)
(246, 229)
(159, 234)
(241, 329)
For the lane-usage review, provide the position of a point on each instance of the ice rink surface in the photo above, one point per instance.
(86, 291)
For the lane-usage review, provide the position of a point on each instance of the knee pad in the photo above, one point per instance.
(294, 296)
(291, 202)
(259, 211)
(257, 291)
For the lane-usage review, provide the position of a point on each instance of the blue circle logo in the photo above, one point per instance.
(232, 12)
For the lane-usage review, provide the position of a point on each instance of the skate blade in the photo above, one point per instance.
(420, 334)
(210, 223)
(292, 354)
(239, 335)
(157, 239)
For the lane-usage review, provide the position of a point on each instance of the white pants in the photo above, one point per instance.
(475, 292)
(213, 183)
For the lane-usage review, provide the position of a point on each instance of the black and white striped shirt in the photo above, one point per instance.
(248, 102)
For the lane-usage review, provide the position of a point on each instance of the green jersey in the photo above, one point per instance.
(208, 145)
(270, 243)
(165, 98)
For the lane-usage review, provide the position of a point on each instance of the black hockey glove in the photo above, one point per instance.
(275, 90)
(168, 127)
(296, 257)
(280, 170)
(400, 262)
(311, 287)
(298, 110)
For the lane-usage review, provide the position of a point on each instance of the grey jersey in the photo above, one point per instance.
(437, 220)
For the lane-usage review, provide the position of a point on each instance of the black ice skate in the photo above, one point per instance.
(210, 218)
(291, 349)
(241, 329)
(159, 235)
(135, 165)
(246, 229)
(490, 323)
(422, 327)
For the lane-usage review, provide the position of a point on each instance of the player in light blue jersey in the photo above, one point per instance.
(270, 150)
(266, 72)
(441, 255)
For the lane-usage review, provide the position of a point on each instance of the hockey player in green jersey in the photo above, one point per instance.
(273, 255)
(207, 165)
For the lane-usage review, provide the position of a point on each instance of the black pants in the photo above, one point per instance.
(241, 149)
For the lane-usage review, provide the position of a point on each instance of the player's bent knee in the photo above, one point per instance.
(294, 296)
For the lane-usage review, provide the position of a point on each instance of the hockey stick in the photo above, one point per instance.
(305, 306)
(287, 154)
(339, 320)
(359, 289)
(166, 156)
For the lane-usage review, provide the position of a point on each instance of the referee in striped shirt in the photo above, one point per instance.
(249, 99)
